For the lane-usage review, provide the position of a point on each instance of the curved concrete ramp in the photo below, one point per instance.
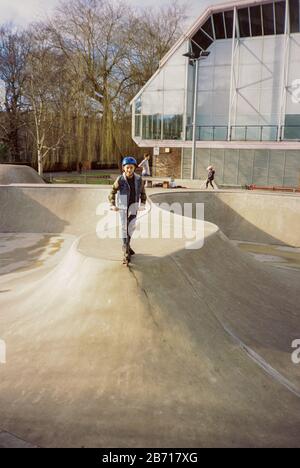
(17, 174)
(187, 348)
(243, 215)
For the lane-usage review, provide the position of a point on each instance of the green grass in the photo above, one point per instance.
(81, 180)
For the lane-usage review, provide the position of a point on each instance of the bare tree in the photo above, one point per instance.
(13, 55)
(152, 34)
(78, 74)
(92, 35)
(45, 91)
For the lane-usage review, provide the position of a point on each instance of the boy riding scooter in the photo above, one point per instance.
(130, 191)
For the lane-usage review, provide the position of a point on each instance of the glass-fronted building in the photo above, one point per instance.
(228, 93)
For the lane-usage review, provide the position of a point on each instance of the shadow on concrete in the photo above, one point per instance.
(30, 257)
(233, 225)
(20, 213)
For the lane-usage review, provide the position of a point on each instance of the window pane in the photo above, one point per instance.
(211, 133)
(252, 133)
(172, 127)
(238, 133)
(189, 132)
(137, 125)
(229, 22)
(292, 127)
(294, 16)
(151, 127)
(269, 133)
(219, 26)
(147, 127)
(244, 22)
(138, 106)
(204, 133)
(268, 19)
(156, 127)
(280, 17)
(207, 27)
(220, 133)
(255, 15)
(202, 40)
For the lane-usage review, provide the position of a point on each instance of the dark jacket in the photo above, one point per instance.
(120, 193)
(211, 174)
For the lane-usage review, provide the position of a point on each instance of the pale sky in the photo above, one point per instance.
(22, 12)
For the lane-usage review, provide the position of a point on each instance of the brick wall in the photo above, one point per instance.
(167, 164)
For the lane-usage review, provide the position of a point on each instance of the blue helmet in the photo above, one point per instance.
(129, 160)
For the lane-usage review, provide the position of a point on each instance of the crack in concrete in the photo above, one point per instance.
(147, 298)
(9, 440)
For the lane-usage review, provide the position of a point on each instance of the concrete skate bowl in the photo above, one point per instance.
(12, 174)
(246, 216)
(186, 348)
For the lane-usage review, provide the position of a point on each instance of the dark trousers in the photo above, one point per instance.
(129, 228)
(209, 181)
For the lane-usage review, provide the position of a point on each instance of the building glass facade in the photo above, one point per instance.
(161, 105)
(248, 88)
(257, 67)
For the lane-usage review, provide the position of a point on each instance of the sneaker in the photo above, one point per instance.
(132, 252)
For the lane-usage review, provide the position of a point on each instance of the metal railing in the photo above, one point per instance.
(244, 133)
(254, 133)
(208, 132)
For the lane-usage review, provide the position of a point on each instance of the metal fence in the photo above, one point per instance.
(244, 133)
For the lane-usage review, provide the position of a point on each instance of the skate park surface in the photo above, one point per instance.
(186, 348)
(12, 174)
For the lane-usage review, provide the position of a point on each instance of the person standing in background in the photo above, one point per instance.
(145, 165)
